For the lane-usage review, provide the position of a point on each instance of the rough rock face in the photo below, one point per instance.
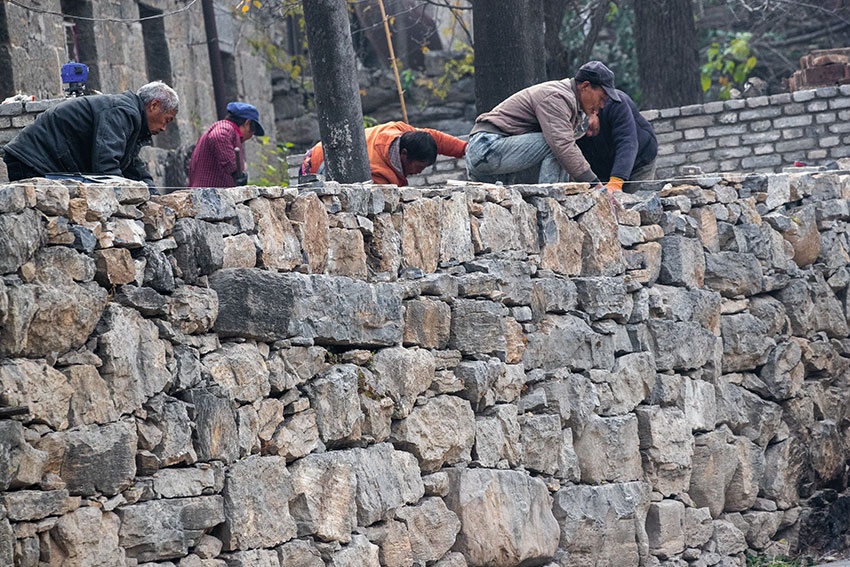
(451, 376)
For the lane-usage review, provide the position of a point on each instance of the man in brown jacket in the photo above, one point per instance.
(540, 125)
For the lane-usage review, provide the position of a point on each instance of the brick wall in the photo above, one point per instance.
(14, 116)
(761, 134)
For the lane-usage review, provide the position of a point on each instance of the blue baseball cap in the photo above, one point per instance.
(248, 112)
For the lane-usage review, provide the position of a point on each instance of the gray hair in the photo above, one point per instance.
(157, 90)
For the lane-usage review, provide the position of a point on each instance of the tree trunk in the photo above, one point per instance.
(337, 91)
(557, 58)
(668, 66)
(509, 50)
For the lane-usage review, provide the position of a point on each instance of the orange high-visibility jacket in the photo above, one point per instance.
(378, 140)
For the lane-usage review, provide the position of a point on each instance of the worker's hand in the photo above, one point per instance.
(615, 184)
(240, 177)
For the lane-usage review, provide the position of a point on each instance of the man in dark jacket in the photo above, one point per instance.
(620, 145)
(100, 134)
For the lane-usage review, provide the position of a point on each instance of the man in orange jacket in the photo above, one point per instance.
(396, 150)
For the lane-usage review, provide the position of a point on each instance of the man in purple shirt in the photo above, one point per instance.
(218, 159)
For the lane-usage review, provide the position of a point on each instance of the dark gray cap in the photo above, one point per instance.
(599, 75)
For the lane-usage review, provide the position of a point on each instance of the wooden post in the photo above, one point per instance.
(393, 61)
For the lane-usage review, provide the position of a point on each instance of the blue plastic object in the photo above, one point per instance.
(74, 77)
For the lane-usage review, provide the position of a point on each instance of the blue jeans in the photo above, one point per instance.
(493, 157)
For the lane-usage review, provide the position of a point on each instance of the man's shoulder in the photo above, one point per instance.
(127, 100)
(560, 86)
(561, 90)
(625, 99)
(391, 128)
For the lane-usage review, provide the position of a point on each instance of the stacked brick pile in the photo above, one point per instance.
(822, 68)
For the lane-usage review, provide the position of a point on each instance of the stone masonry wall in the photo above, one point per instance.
(443, 376)
(759, 134)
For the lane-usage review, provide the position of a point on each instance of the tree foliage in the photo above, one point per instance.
(728, 65)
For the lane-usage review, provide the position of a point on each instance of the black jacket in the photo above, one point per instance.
(92, 134)
(626, 141)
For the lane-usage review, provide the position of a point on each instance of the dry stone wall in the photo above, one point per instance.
(443, 376)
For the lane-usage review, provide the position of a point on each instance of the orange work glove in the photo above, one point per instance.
(615, 184)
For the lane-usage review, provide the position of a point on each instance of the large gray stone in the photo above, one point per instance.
(455, 240)
(134, 357)
(89, 536)
(44, 319)
(333, 394)
(478, 326)
(714, 465)
(745, 342)
(402, 375)
(200, 248)
(627, 385)
(508, 507)
(440, 432)
(324, 504)
(46, 392)
(539, 434)
(667, 446)
(681, 346)
(386, 479)
(431, 527)
(733, 274)
(330, 310)
(239, 370)
(215, 434)
(94, 459)
(257, 518)
(608, 450)
(277, 244)
(604, 525)
(561, 238)
(665, 528)
(23, 234)
(420, 242)
(682, 261)
(167, 431)
(568, 341)
(158, 530)
(34, 505)
(747, 413)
